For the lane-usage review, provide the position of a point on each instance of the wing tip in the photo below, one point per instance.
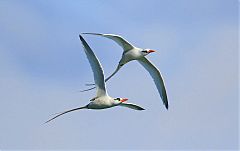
(165, 99)
(83, 40)
(166, 105)
(140, 108)
(80, 36)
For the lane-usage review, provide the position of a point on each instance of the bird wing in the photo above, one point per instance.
(118, 39)
(96, 68)
(158, 80)
(132, 106)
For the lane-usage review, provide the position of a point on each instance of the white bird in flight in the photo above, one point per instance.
(130, 53)
(102, 99)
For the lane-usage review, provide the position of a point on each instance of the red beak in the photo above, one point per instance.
(150, 51)
(123, 100)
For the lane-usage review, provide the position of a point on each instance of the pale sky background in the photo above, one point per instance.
(43, 66)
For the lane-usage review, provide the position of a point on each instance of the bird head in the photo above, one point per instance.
(147, 51)
(120, 100)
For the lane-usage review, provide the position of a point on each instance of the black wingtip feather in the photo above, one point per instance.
(81, 38)
(140, 108)
(166, 105)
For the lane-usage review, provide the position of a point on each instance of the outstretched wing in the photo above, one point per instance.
(118, 39)
(132, 106)
(158, 80)
(96, 68)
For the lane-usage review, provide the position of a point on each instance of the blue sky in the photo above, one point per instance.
(43, 66)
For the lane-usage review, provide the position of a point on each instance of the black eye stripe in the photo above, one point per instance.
(144, 51)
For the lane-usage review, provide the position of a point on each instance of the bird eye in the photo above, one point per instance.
(144, 51)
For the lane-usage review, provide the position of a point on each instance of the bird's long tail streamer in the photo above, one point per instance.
(84, 107)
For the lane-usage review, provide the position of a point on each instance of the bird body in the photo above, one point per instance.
(130, 55)
(103, 102)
